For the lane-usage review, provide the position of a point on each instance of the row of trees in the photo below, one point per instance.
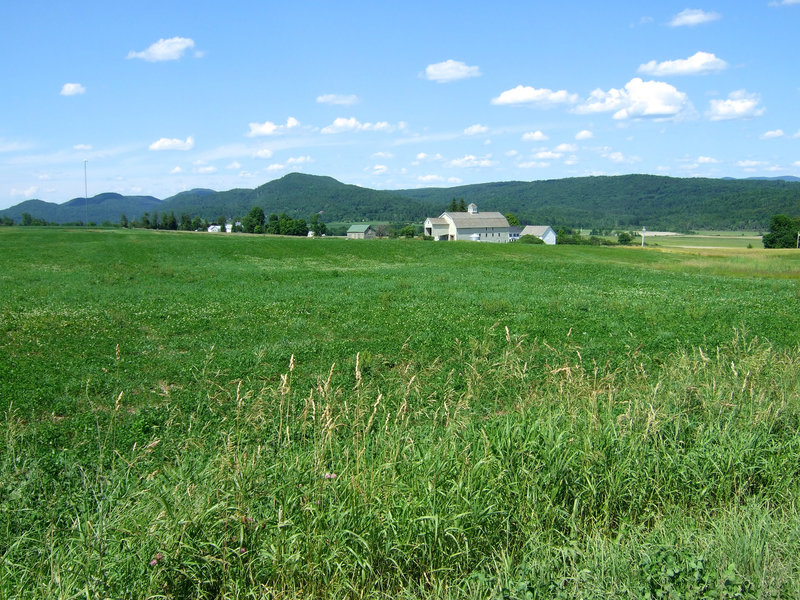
(257, 222)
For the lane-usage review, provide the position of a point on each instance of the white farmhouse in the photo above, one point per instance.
(543, 232)
(470, 226)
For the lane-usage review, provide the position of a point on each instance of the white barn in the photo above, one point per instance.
(470, 226)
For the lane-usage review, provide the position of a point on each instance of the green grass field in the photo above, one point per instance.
(232, 416)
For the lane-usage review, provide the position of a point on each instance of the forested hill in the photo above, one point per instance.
(301, 196)
(630, 201)
(626, 201)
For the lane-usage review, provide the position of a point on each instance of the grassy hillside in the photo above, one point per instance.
(239, 416)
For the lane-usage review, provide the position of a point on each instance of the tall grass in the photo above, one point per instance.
(527, 472)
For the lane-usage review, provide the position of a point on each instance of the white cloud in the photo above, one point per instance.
(176, 171)
(299, 160)
(471, 160)
(547, 155)
(383, 155)
(796, 163)
(619, 157)
(454, 180)
(751, 164)
(82, 147)
(639, 100)
(275, 167)
(173, 144)
(541, 97)
(535, 136)
(692, 17)
(339, 99)
(28, 192)
(450, 70)
(707, 160)
(476, 129)
(342, 125)
(430, 179)
(775, 133)
(270, 128)
(739, 105)
(511, 153)
(264, 153)
(206, 170)
(699, 63)
(425, 156)
(234, 165)
(169, 49)
(566, 148)
(584, 134)
(72, 89)
(533, 165)
(379, 169)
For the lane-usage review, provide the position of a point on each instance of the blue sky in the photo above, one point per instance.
(160, 97)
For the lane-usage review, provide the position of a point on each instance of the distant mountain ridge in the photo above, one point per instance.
(623, 201)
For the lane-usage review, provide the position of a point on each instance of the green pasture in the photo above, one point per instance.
(706, 240)
(189, 415)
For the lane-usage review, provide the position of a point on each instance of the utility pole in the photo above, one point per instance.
(644, 230)
(85, 193)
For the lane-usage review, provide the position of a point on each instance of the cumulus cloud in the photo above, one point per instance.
(707, 160)
(533, 165)
(169, 49)
(379, 169)
(206, 170)
(476, 129)
(751, 164)
(430, 179)
(547, 155)
(234, 165)
(176, 171)
(450, 70)
(383, 155)
(72, 89)
(27, 192)
(739, 105)
(471, 160)
(700, 63)
(270, 128)
(542, 97)
(299, 160)
(584, 134)
(775, 133)
(342, 125)
(264, 153)
(173, 144)
(638, 100)
(534, 136)
(426, 156)
(340, 99)
(692, 17)
(566, 148)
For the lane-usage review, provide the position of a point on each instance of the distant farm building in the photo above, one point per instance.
(543, 232)
(470, 226)
(361, 231)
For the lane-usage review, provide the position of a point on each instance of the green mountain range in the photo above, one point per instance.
(625, 202)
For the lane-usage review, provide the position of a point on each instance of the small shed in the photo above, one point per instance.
(543, 232)
(361, 231)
